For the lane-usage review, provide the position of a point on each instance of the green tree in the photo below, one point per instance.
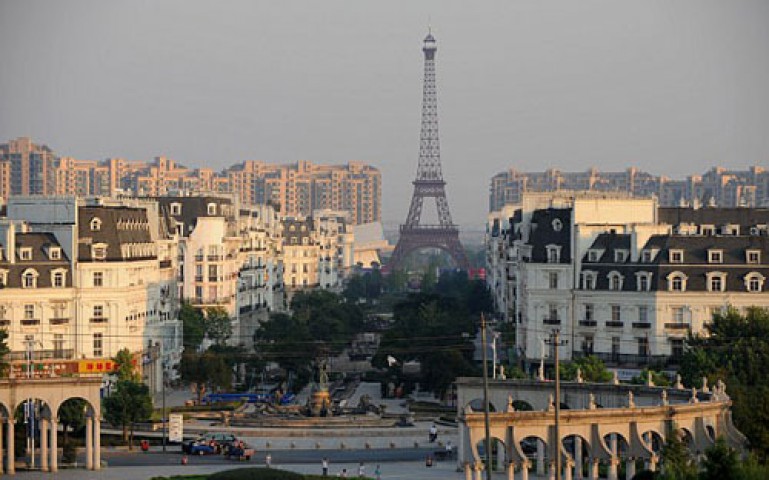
(218, 325)
(209, 370)
(72, 416)
(735, 348)
(193, 325)
(677, 461)
(4, 351)
(720, 462)
(129, 403)
(593, 370)
(659, 378)
(124, 366)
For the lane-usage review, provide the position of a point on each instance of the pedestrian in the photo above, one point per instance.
(184, 459)
(361, 470)
(429, 461)
(433, 433)
(268, 461)
(343, 473)
(378, 472)
(324, 465)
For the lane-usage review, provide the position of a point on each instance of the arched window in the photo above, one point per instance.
(59, 278)
(716, 281)
(677, 282)
(95, 224)
(615, 280)
(754, 282)
(29, 278)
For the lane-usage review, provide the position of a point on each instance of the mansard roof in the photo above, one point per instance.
(39, 243)
(608, 243)
(117, 226)
(745, 217)
(545, 233)
(192, 208)
(296, 230)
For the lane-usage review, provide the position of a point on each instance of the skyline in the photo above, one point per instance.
(672, 89)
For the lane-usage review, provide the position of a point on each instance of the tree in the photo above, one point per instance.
(592, 368)
(677, 462)
(124, 366)
(735, 349)
(4, 351)
(72, 416)
(218, 325)
(128, 404)
(659, 378)
(207, 370)
(720, 462)
(193, 325)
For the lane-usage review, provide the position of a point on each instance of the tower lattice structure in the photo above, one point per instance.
(429, 182)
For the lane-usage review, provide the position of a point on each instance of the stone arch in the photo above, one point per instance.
(623, 442)
(522, 406)
(476, 405)
(654, 440)
(498, 446)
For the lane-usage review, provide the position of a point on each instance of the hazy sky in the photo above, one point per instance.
(672, 87)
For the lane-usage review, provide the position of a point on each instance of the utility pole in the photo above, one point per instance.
(555, 341)
(486, 397)
(163, 415)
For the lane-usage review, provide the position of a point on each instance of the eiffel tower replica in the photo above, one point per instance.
(429, 183)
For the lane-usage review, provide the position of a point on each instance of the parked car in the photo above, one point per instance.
(219, 437)
(239, 451)
(200, 447)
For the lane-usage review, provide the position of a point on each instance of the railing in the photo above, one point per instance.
(215, 258)
(198, 258)
(552, 321)
(27, 322)
(43, 354)
(631, 359)
(614, 324)
(59, 320)
(646, 325)
(588, 323)
(677, 326)
(99, 319)
(4, 322)
(165, 264)
(198, 278)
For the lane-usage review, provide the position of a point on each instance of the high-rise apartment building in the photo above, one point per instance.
(296, 189)
(717, 187)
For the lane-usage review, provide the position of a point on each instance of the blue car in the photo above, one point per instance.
(195, 447)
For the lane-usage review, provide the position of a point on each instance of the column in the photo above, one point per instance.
(552, 471)
(630, 468)
(652, 464)
(567, 469)
(54, 445)
(11, 448)
(540, 457)
(525, 470)
(96, 443)
(89, 441)
(500, 457)
(612, 475)
(468, 471)
(44, 444)
(478, 471)
(2, 422)
(578, 458)
(593, 469)
(511, 471)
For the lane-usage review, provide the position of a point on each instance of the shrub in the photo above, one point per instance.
(69, 453)
(255, 474)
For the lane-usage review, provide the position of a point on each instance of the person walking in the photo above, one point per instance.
(361, 469)
(433, 433)
(324, 466)
(378, 472)
(268, 461)
(343, 473)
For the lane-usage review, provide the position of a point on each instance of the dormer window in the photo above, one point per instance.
(29, 278)
(588, 280)
(716, 281)
(95, 224)
(553, 253)
(708, 230)
(753, 256)
(754, 282)
(557, 225)
(646, 256)
(176, 209)
(54, 253)
(620, 256)
(615, 281)
(677, 282)
(212, 209)
(3, 278)
(25, 253)
(643, 281)
(676, 256)
(593, 255)
(99, 251)
(715, 256)
(58, 278)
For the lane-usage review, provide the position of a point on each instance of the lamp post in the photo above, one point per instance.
(555, 341)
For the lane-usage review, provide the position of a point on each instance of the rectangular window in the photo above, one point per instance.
(616, 315)
(553, 280)
(98, 345)
(646, 256)
(589, 312)
(676, 256)
(615, 348)
(58, 345)
(29, 311)
(715, 256)
(553, 311)
(643, 283)
(753, 256)
(643, 347)
(587, 344)
(643, 314)
(716, 284)
(677, 348)
(25, 254)
(98, 311)
(678, 315)
(592, 256)
(98, 279)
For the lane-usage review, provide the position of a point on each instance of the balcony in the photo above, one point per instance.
(29, 322)
(677, 326)
(198, 258)
(5, 322)
(588, 323)
(552, 321)
(198, 278)
(215, 258)
(63, 353)
(645, 325)
(631, 359)
(213, 278)
(99, 319)
(165, 264)
(59, 320)
(614, 324)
